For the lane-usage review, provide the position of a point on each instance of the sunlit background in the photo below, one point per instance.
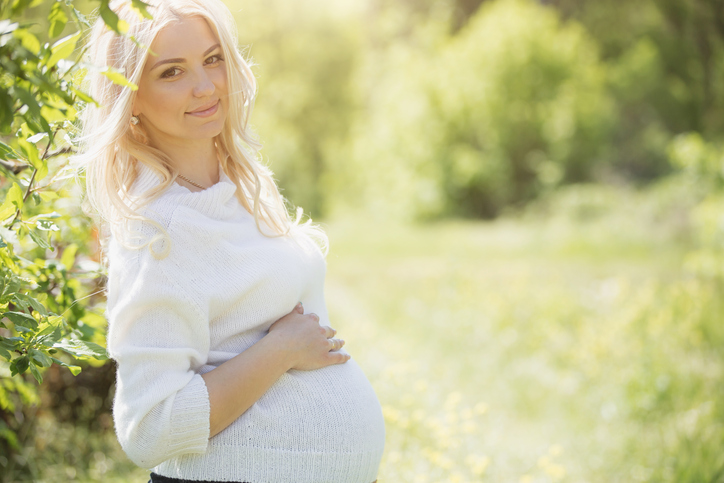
(525, 204)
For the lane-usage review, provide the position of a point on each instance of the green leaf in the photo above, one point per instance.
(30, 300)
(40, 165)
(63, 48)
(56, 320)
(111, 19)
(75, 370)
(13, 201)
(53, 338)
(82, 349)
(28, 100)
(40, 240)
(57, 19)
(6, 152)
(37, 137)
(49, 336)
(53, 215)
(31, 151)
(27, 40)
(83, 96)
(48, 195)
(47, 329)
(33, 116)
(7, 344)
(6, 347)
(19, 365)
(47, 225)
(68, 257)
(46, 216)
(40, 357)
(118, 78)
(36, 373)
(140, 7)
(22, 319)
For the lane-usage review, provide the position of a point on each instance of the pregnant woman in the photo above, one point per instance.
(227, 367)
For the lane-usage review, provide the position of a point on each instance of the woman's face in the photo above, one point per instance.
(182, 94)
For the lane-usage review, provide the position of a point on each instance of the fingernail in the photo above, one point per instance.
(299, 305)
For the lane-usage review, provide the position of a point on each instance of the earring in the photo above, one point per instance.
(135, 120)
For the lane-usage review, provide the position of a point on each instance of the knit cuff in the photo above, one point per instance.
(190, 425)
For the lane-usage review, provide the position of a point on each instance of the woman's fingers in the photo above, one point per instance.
(339, 358)
(336, 344)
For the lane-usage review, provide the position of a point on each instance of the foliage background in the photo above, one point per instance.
(525, 205)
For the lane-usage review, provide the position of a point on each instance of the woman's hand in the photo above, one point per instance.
(309, 345)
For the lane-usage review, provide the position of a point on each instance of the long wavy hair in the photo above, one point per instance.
(110, 146)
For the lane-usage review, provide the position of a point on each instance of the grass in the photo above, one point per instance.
(535, 349)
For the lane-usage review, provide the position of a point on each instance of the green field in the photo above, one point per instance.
(557, 348)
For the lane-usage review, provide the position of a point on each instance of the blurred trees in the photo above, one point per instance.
(306, 54)
(513, 103)
(435, 108)
(667, 72)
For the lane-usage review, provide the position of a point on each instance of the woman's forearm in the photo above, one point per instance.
(238, 383)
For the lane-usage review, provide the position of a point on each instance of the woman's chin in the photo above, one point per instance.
(208, 131)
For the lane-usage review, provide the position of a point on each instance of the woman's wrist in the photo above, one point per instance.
(276, 342)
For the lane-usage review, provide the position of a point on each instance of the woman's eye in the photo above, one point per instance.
(170, 73)
(214, 59)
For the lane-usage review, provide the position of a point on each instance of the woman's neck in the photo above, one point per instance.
(197, 160)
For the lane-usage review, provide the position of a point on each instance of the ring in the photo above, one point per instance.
(334, 344)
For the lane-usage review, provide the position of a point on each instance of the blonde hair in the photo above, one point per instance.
(111, 147)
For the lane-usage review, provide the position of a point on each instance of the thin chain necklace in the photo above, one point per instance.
(195, 184)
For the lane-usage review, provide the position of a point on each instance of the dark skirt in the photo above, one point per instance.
(167, 479)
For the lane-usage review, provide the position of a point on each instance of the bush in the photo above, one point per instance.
(513, 105)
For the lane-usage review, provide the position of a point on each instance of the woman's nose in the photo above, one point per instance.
(204, 86)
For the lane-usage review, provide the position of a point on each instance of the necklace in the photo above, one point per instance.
(195, 184)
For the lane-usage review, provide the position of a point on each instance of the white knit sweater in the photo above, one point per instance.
(214, 296)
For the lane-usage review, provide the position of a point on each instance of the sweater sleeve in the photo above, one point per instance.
(159, 337)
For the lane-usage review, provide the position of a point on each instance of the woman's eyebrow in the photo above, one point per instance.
(179, 60)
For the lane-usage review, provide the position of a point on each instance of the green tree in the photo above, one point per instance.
(50, 280)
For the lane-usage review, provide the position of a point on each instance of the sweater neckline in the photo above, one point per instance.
(216, 201)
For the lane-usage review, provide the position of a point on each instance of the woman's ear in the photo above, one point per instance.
(135, 111)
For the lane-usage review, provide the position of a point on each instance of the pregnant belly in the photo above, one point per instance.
(333, 409)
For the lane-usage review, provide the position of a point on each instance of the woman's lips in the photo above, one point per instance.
(207, 112)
